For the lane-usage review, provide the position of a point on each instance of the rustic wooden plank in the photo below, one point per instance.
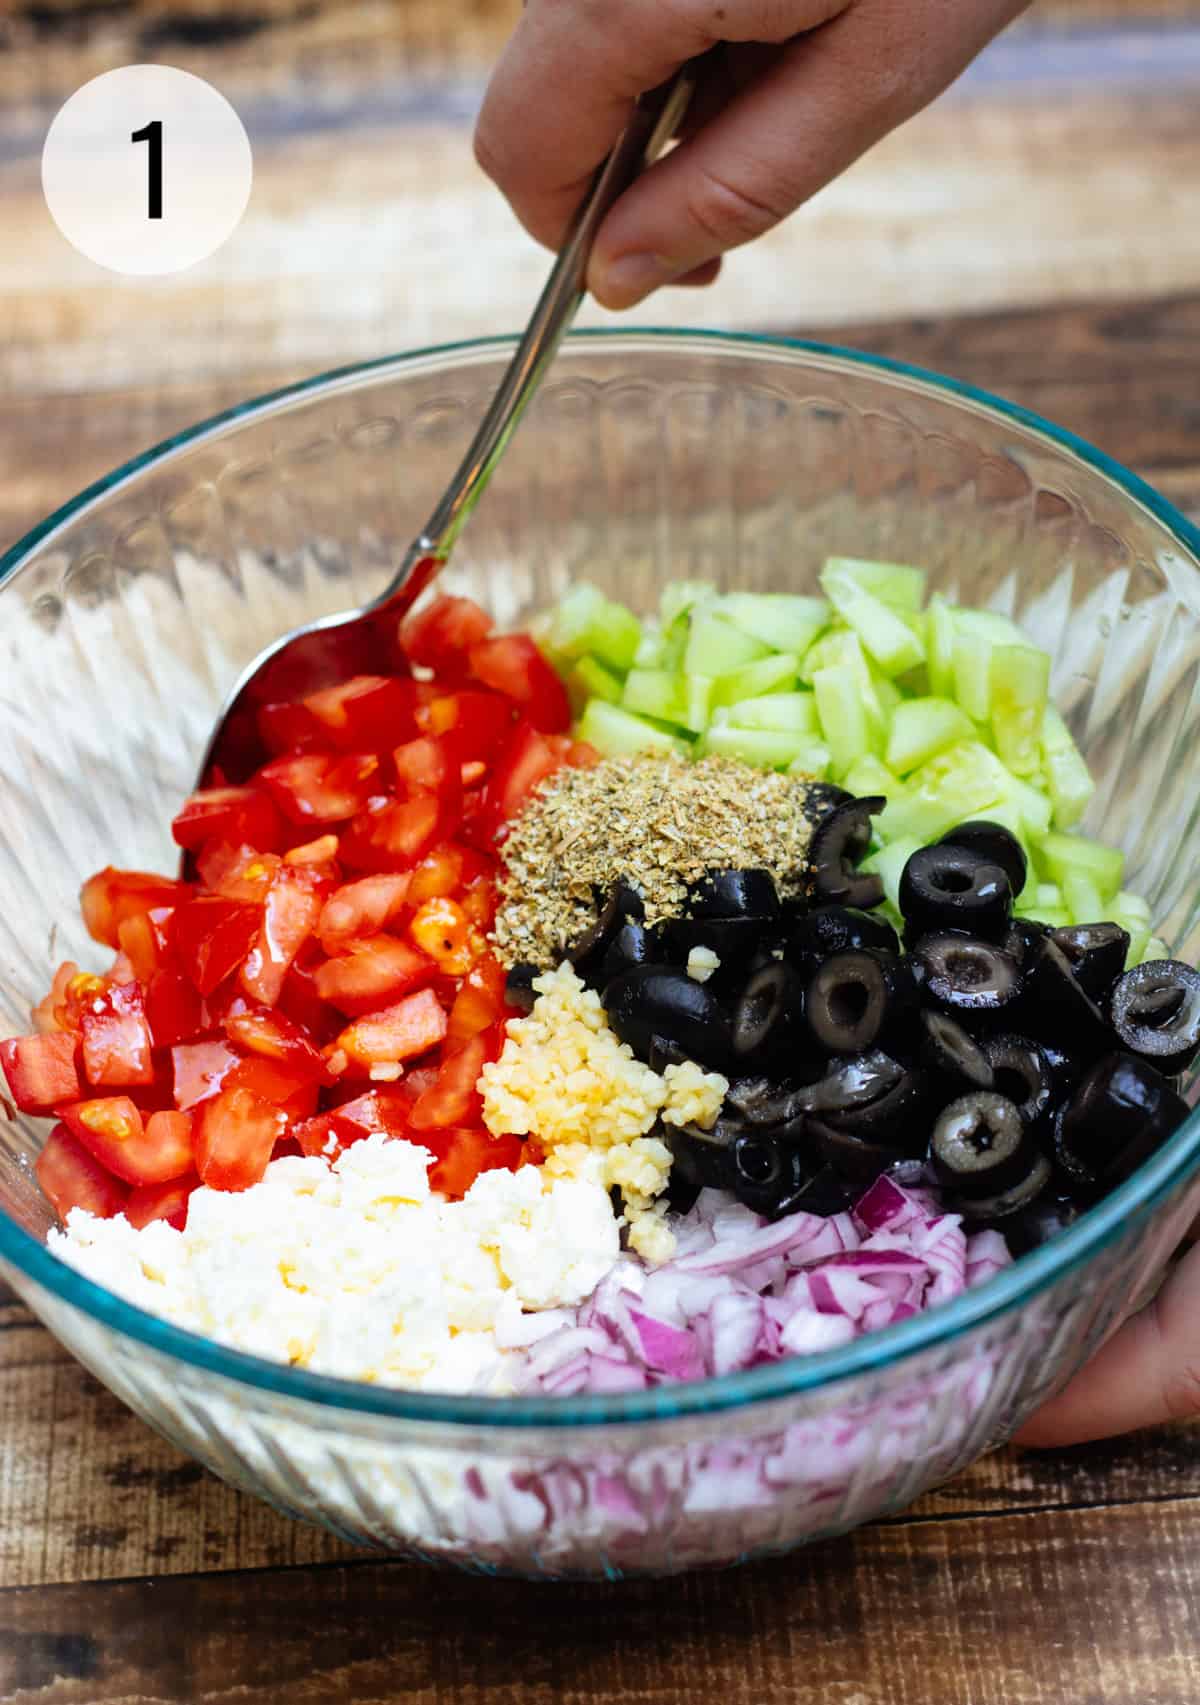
(1003, 1611)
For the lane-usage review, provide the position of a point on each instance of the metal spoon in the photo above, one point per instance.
(363, 641)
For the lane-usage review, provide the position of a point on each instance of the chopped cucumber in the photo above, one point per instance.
(769, 675)
(812, 760)
(1156, 948)
(972, 662)
(1067, 778)
(783, 622)
(1018, 683)
(958, 784)
(795, 713)
(847, 725)
(659, 693)
(893, 583)
(585, 621)
(888, 639)
(616, 732)
(939, 646)
(680, 597)
(1083, 898)
(869, 776)
(716, 647)
(1133, 914)
(589, 679)
(1033, 807)
(888, 862)
(1063, 855)
(920, 729)
(766, 748)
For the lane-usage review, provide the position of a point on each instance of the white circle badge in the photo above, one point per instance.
(147, 169)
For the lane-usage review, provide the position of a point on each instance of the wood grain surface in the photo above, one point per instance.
(1038, 233)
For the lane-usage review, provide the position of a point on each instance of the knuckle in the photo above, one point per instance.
(1181, 1390)
(729, 213)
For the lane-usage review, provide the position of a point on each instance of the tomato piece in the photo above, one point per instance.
(441, 929)
(361, 908)
(398, 1032)
(326, 1135)
(474, 723)
(168, 1201)
(145, 941)
(274, 1037)
(392, 834)
(319, 856)
(220, 867)
(235, 1133)
(461, 1154)
(372, 973)
(41, 1070)
(173, 1009)
(479, 1003)
(368, 713)
(426, 765)
(525, 762)
(116, 1038)
(200, 1068)
(479, 903)
(241, 815)
(51, 1012)
(139, 1151)
(439, 873)
(293, 906)
(440, 635)
(330, 1132)
(289, 726)
(453, 1099)
(513, 665)
(314, 787)
(72, 1177)
(212, 936)
(111, 896)
(299, 1001)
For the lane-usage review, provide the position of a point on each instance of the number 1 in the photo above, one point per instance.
(152, 133)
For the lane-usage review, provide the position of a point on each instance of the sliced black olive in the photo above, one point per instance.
(846, 1003)
(996, 845)
(658, 1001)
(1156, 1012)
(965, 977)
(768, 1012)
(766, 1176)
(1057, 1008)
(587, 952)
(1022, 1074)
(518, 985)
(632, 945)
(838, 845)
(764, 1101)
(839, 929)
(735, 941)
(852, 1082)
(1122, 1111)
(663, 1053)
(735, 894)
(822, 797)
(898, 1118)
(951, 887)
(825, 1193)
(1022, 938)
(949, 1051)
(984, 1155)
(1096, 954)
(1036, 1224)
(700, 1159)
(852, 1156)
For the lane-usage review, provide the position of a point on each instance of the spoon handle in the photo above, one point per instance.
(655, 119)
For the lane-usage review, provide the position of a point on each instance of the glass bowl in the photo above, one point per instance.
(650, 455)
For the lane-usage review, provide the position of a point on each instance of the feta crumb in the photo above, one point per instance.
(701, 963)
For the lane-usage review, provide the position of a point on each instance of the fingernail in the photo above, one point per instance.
(621, 282)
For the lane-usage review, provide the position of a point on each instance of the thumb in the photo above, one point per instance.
(1146, 1373)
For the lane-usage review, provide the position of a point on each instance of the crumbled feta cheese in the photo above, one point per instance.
(701, 963)
(359, 1269)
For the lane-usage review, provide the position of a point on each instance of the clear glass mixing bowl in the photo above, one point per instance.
(648, 456)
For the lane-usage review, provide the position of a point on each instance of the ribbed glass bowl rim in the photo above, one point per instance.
(872, 1354)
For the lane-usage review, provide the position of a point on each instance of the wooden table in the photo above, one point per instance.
(1039, 233)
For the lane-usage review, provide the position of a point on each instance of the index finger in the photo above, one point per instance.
(563, 89)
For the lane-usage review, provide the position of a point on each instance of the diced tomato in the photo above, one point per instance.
(372, 974)
(453, 1099)
(462, 1154)
(398, 1032)
(426, 765)
(368, 713)
(439, 635)
(299, 1001)
(289, 726)
(173, 1009)
(319, 856)
(274, 1037)
(145, 941)
(200, 1068)
(235, 1133)
(392, 834)
(111, 896)
(479, 1003)
(167, 1201)
(361, 908)
(72, 1177)
(514, 666)
(439, 873)
(525, 762)
(474, 723)
(220, 867)
(441, 929)
(479, 903)
(379, 1110)
(240, 815)
(314, 787)
(293, 906)
(213, 936)
(116, 1038)
(140, 1151)
(51, 1012)
(41, 1070)
(326, 1135)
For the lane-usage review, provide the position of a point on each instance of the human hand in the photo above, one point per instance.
(1146, 1373)
(797, 91)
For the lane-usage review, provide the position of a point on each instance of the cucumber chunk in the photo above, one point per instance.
(1064, 856)
(812, 760)
(885, 636)
(769, 675)
(847, 724)
(794, 713)
(659, 693)
(680, 597)
(888, 862)
(939, 646)
(765, 748)
(1018, 683)
(783, 622)
(1067, 779)
(585, 621)
(894, 583)
(589, 679)
(868, 776)
(715, 647)
(958, 784)
(920, 729)
(616, 732)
